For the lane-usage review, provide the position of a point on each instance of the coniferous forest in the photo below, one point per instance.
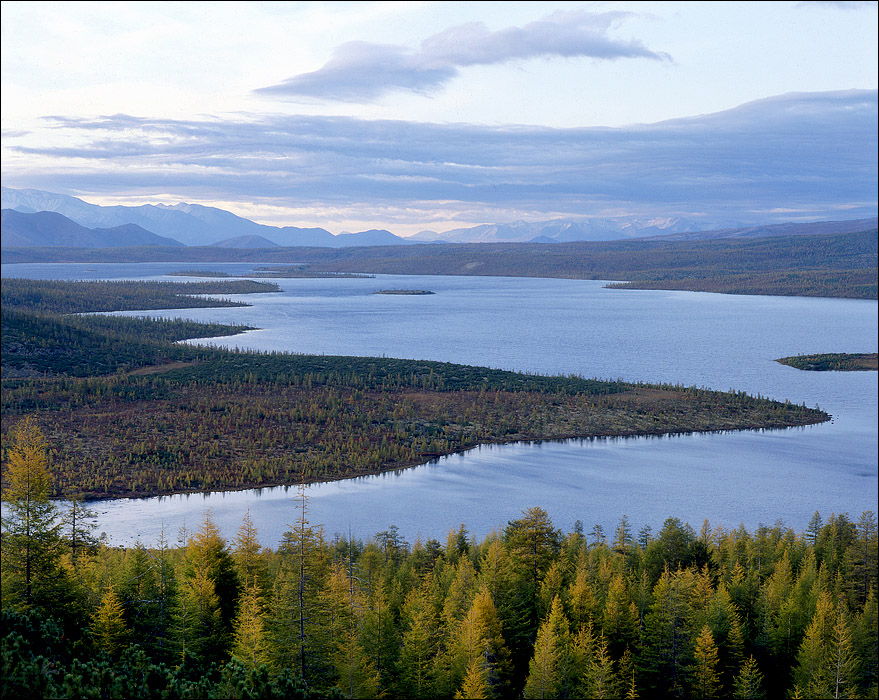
(528, 611)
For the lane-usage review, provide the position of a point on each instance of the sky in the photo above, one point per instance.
(440, 115)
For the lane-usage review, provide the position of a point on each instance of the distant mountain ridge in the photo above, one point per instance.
(47, 228)
(198, 225)
(190, 224)
(562, 230)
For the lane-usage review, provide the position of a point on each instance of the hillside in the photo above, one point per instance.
(45, 228)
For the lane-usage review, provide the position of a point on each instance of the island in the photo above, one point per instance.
(834, 362)
(404, 292)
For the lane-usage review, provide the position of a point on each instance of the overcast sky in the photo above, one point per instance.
(421, 115)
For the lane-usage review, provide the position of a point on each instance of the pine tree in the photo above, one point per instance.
(199, 629)
(867, 646)
(668, 651)
(79, 526)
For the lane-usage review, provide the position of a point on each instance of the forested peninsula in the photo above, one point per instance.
(834, 362)
(828, 265)
(129, 412)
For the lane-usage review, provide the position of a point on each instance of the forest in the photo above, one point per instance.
(128, 412)
(829, 265)
(834, 361)
(527, 611)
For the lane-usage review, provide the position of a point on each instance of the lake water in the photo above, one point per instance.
(555, 326)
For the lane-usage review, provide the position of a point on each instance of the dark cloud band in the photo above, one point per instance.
(796, 151)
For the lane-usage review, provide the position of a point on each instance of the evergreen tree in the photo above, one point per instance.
(199, 630)
(299, 627)
(601, 681)
(620, 619)
(668, 653)
(79, 527)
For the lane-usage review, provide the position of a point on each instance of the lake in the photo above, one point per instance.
(554, 326)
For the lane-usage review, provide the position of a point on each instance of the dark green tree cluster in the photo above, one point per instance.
(85, 296)
(527, 612)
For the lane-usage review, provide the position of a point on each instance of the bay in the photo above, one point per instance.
(555, 326)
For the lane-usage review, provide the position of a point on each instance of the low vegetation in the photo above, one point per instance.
(836, 362)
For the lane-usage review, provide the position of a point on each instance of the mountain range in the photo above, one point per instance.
(38, 218)
(48, 228)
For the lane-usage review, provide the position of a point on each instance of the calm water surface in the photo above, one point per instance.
(556, 326)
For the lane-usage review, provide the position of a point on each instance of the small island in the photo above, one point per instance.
(834, 362)
(404, 292)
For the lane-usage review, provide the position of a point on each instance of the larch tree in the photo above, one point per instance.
(706, 680)
(247, 555)
(108, 624)
(545, 670)
(31, 528)
(418, 645)
(814, 673)
(475, 685)
(250, 643)
(748, 684)
(842, 655)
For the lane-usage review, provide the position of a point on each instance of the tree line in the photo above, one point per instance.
(527, 611)
(836, 265)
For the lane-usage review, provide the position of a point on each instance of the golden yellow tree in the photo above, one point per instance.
(108, 625)
(250, 645)
(31, 540)
(706, 683)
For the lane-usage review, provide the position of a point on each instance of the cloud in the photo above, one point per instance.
(799, 150)
(840, 4)
(362, 71)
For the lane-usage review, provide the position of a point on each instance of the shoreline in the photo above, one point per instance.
(435, 457)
